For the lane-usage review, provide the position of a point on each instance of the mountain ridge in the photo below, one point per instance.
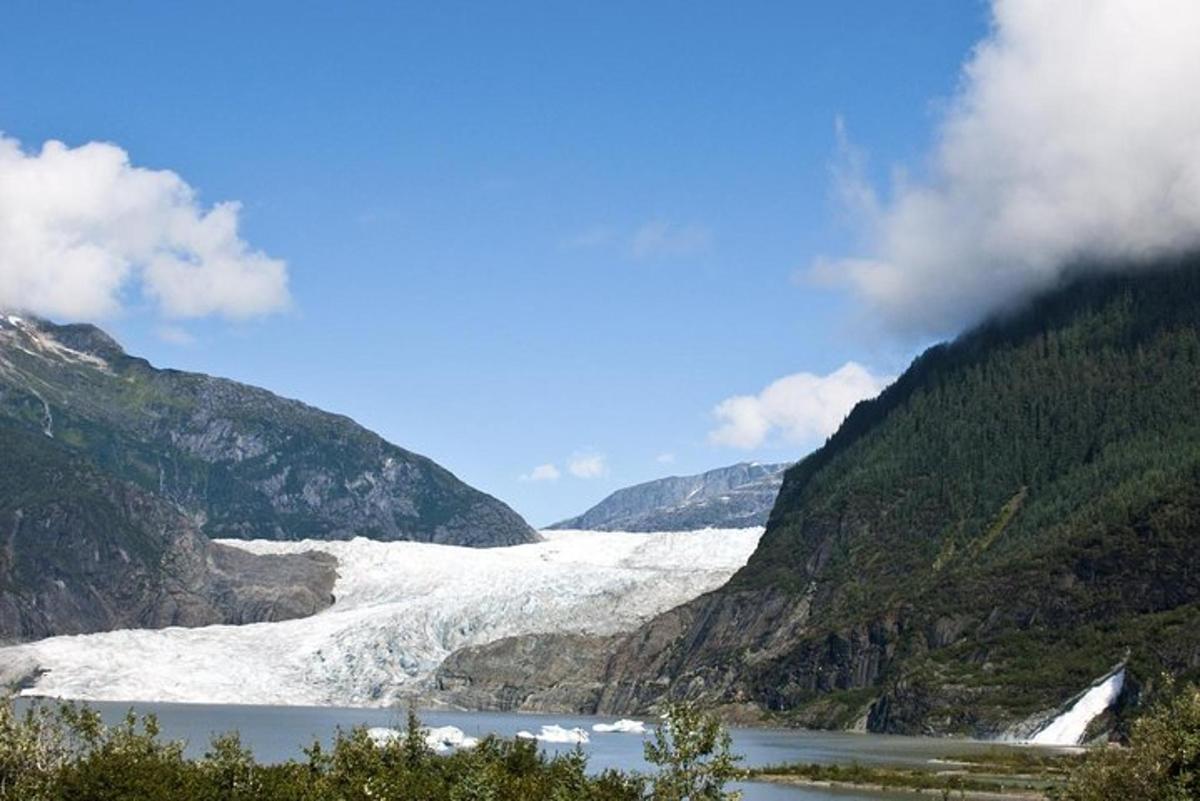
(245, 462)
(737, 496)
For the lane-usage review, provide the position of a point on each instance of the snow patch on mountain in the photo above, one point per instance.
(401, 608)
(738, 495)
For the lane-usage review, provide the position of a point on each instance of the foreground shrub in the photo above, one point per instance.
(1162, 762)
(66, 753)
(693, 754)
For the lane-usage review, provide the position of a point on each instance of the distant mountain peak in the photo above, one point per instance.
(740, 495)
(72, 342)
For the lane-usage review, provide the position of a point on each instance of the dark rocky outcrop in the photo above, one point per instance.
(81, 551)
(535, 673)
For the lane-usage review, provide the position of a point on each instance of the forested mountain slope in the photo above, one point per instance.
(1017, 513)
(245, 462)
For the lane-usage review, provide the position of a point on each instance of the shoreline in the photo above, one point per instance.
(967, 795)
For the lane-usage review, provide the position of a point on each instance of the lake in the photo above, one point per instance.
(277, 733)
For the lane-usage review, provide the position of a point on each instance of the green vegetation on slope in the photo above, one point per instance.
(1024, 502)
(1014, 516)
(1162, 762)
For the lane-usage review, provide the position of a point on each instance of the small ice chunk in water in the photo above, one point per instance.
(622, 726)
(440, 739)
(556, 734)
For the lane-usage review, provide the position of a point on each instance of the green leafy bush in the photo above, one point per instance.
(1162, 762)
(66, 753)
(693, 754)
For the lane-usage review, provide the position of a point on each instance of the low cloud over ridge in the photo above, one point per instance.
(801, 408)
(1074, 139)
(81, 227)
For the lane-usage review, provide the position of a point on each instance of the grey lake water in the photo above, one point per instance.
(278, 733)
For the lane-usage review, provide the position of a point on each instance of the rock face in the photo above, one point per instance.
(1017, 513)
(81, 551)
(534, 673)
(243, 462)
(729, 497)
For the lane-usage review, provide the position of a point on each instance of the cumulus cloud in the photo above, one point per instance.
(81, 227)
(1074, 140)
(543, 472)
(800, 408)
(587, 465)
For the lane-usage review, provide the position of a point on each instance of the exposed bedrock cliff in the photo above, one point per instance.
(81, 551)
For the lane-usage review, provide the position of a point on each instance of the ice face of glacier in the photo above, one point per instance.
(401, 608)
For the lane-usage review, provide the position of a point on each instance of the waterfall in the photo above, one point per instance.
(1069, 727)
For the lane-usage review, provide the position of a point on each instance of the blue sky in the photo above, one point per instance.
(516, 234)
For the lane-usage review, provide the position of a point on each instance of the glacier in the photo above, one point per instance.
(400, 609)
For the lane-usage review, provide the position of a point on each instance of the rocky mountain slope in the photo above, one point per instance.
(81, 551)
(1019, 512)
(244, 462)
(729, 497)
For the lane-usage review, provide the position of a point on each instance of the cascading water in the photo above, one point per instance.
(1070, 727)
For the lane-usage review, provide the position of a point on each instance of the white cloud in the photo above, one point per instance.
(1074, 138)
(659, 239)
(587, 465)
(665, 458)
(543, 472)
(802, 407)
(81, 227)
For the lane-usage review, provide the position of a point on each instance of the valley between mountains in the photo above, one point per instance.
(1008, 532)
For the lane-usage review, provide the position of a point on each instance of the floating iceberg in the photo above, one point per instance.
(401, 609)
(444, 738)
(440, 738)
(623, 726)
(556, 734)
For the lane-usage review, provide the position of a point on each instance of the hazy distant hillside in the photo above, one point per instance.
(728, 497)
